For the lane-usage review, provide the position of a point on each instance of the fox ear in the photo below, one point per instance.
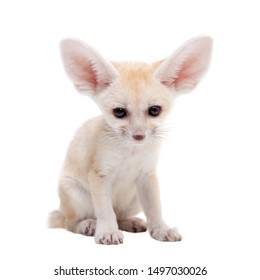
(184, 68)
(89, 72)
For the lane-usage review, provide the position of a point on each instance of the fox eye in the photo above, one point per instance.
(154, 111)
(120, 112)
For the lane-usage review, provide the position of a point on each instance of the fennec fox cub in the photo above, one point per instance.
(109, 174)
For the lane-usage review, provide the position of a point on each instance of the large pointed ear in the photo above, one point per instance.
(89, 72)
(184, 68)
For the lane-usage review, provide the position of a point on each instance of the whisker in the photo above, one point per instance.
(162, 133)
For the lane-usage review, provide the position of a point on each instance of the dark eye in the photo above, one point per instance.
(120, 112)
(154, 111)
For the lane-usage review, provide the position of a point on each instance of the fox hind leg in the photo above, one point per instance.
(133, 224)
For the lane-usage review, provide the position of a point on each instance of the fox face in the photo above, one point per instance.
(136, 104)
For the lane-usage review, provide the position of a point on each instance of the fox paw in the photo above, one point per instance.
(88, 227)
(170, 235)
(108, 238)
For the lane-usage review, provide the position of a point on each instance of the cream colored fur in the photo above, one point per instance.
(109, 174)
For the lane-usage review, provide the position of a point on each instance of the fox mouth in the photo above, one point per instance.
(138, 142)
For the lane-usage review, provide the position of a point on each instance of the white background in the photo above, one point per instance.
(209, 168)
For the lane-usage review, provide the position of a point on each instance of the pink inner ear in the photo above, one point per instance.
(91, 76)
(189, 72)
(184, 69)
(89, 72)
(86, 73)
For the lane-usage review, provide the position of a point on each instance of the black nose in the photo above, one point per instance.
(139, 137)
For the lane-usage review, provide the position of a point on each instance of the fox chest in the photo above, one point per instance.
(126, 170)
(123, 186)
